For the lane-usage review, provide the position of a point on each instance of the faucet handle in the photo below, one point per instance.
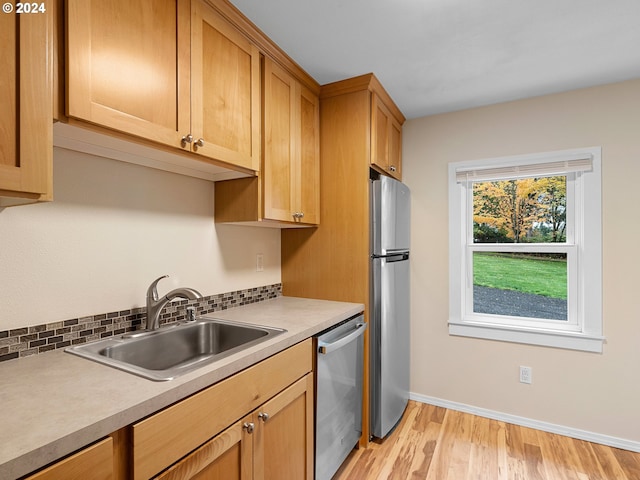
(191, 314)
(152, 291)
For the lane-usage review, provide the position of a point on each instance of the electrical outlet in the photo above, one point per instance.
(259, 262)
(525, 374)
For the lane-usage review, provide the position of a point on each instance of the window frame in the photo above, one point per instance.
(583, 329)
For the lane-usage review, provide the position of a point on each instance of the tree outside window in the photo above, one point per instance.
(528, 210)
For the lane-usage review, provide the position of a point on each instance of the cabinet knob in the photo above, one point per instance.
(298, 215)
(199, 142)
(249, 427)
(263, 416)
(392, 168)
(186, 139)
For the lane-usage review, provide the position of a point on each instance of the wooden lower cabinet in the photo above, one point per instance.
(196, 430)
(92, 463)
(283, 443)
(274, 441)
(228, 456)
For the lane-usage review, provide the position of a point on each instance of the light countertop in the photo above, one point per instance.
(54, 403)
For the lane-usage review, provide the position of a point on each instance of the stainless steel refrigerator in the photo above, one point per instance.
(389, 313)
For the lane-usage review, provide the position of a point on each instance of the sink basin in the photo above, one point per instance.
(169, 352)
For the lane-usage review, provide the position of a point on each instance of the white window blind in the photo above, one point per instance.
(546, 168)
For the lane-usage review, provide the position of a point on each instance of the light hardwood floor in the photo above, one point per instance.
(434, 443)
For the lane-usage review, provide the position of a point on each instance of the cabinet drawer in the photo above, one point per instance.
(169, 435)
(92, 463)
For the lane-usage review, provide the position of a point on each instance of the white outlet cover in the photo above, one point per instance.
(525, 374)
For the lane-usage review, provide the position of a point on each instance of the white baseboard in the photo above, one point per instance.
(528, 422)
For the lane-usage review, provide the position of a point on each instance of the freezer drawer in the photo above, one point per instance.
(340, 357)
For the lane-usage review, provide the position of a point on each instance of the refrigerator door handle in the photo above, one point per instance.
(324, 347)
(393, 257)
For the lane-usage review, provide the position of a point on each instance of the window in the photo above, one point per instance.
(525, 249)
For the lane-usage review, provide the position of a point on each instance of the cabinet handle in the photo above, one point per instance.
(301, 214)
(199, 142)
(186, 139)
(392, 168)
(263, 416)
(298, 215)
(249, 427)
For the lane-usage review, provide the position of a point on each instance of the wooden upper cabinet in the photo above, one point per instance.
(173, 72)
(26, 135)
(309, 152)
(279, 174)
(386, 139)
(225, 90)
(395, 149)
(291, 170)
(128, 66)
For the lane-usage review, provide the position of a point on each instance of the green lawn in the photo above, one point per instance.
(529, 275)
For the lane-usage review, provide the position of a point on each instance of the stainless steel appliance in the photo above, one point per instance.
(340, 357)
(389, 315)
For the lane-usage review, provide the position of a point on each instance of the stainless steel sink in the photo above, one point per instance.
(169, 352)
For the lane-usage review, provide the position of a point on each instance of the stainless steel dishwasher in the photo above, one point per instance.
(340, 358)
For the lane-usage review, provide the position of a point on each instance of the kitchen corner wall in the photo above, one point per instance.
(598, 393)
(112, 229)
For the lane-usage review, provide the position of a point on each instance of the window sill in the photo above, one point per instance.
(531, 336)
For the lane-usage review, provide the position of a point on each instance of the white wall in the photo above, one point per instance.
(598, 393)
(111, 230)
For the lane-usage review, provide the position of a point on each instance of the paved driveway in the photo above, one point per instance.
(517, 304)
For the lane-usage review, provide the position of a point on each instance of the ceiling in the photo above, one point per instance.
(436, 56)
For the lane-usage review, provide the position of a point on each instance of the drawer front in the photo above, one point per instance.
(167, 436)
(92, 463)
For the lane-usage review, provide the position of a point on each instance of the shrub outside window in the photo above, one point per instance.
(525, 249)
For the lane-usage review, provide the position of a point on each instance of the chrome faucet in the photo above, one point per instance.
(155, 305)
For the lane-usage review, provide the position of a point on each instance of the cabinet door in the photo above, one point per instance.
(228, 456)
(280, 149)
(283, 443)
(291, 171)
(225, 89)
(395, 149)
(128, 66)
(309, 172)
(385, 139)
(26, 135)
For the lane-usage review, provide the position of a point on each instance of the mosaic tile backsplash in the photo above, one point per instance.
(22, 342)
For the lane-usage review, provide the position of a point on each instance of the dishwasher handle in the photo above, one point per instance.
(324, 347)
